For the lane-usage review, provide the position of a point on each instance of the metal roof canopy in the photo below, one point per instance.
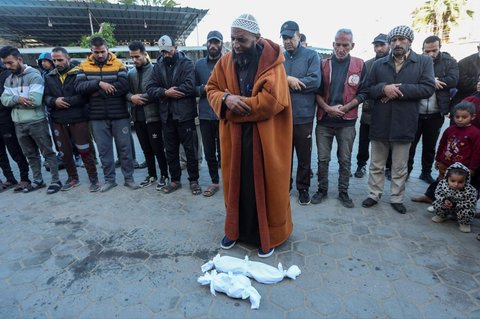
(33, 22)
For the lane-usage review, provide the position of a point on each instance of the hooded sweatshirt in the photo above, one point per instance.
(463, 199)
(28, 84)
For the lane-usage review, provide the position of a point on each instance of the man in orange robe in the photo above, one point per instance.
(248, 91)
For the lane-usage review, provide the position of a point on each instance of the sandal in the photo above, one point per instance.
(171, 187)
(211, 190)
(54, 187)
(33, 186)
(195, 188)
(20, 186)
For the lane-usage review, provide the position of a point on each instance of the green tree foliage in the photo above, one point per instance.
(164, 3)
(106, 32)
(439, 16)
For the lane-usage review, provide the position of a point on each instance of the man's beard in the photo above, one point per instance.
(18, 70)
(243, 59)
(214, 53)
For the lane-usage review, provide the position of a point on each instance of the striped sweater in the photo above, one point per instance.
(28, 84)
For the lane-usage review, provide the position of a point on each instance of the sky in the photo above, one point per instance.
(319, 21)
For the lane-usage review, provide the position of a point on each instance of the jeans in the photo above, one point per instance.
(9, 141)
(302, 143)
(345, 137)
(35, 137)
(176, 132)
(107, 131)
(211, 147)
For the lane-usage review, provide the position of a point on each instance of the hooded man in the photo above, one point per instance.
(248, 91)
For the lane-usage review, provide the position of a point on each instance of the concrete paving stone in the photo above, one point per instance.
(442, 311)
(361, 306)
(289, 259)
(9, 268)
(322, 301)
(331, 227)
(462, 249)
(320, 263)
(46, 244)
(103, 289)
(387, 270)
(162, 299)
(475, 314)
(38, 303)
(77, 286)
(306, 248)
(14, 295)
(430, 260)
(404, 244)
(373, 241)
(319, 237)
(286, 246)
(456, 278)
(466, 264)
(364, 253)
(63, 262)
(301, 313)
(287, 296)
(353, 266)
(308, 280)
(449, 295)
(194, 305)
(225, 307)
(267, 310)
(36, 258)
(394, 256)
(11, 312)
(374, 287)
(104, 308)
(15, 254)
(132, 293)
(335, 251)
(135, 311)
(69, 306)
(65, 248)
(384, 231)
(421, 275)
(358, 229)
(396, 308)
(25, 275)
(412, 292)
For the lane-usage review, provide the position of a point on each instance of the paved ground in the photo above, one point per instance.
(137, 254)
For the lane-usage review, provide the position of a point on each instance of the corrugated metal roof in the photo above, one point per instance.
(64, 22)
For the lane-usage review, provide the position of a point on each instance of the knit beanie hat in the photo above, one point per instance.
(402, 31)
(247, 22)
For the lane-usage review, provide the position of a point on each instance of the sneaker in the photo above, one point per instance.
(263, 254)
(369, 202)
(161, 183)
(94, 186)
(319, 197)
(131, 184)
(70, 183)
(149, 180)
(227, 243)
(430, 209)
(464, 228)
(426, 177)
(345, 200)
(107, 186)
(303, 197)
(438, 219)
(360, 172)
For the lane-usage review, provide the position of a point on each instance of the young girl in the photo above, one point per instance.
(455, 196)
(459, 143)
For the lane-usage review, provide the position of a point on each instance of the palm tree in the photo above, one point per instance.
(438, 16)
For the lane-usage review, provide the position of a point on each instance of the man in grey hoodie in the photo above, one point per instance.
(303, 75)
(23, 93)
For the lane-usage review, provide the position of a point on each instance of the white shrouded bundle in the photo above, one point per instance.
(235, 286)
(259, 271)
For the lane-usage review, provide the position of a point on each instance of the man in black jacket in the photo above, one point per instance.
(103, 80)
(69, 116)
(433, 110)
(8, 140)
(172, 86)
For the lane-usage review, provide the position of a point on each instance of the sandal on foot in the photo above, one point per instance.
(171, 187)
(211, 190)
(6, 185)
(20, 186)
(54, 187)
(33, 186)
(195, 188)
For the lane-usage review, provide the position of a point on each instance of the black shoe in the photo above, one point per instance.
(227, 243)
(303, 197)
(345, 200)
(399, 207)
(369, 202)
(388, 173)
(426, 177)
(361, 170)
(319, 197)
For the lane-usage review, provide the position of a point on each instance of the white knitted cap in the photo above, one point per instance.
(247, 22)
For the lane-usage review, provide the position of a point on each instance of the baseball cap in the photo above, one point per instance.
(288, 28)
(214, 35)
(165, 43)
(381, 38)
